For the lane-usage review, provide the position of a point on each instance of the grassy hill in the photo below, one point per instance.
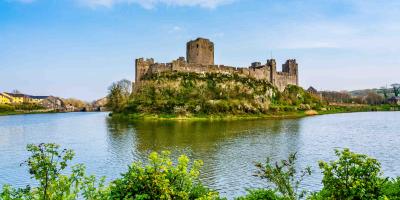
(193, 94)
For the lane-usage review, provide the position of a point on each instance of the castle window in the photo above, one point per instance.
(197, 45)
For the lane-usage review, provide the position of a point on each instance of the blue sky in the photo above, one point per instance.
(77, 48)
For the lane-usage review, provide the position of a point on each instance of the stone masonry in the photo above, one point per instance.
(200, 59)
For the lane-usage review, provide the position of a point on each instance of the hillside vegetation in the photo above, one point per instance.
(189, 94)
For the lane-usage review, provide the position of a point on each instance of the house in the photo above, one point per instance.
(17, 98)
(394, 100)
(37, 99)
(312, 90)
(5, 99)
(53, 103)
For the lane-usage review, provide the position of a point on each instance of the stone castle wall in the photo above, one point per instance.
(263, 72)
(201, 60)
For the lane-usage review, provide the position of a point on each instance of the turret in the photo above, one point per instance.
(290, 66)
(142, 67)
(200, 51)
(271, 63)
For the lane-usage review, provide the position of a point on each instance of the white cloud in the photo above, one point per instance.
(149, 4)
(175, 29)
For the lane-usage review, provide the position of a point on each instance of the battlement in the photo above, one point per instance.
(200, 59)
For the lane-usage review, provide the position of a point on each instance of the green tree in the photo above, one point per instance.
(396, 89)
(385, 91)
(46, 164)
(352, 176)
(118, 95)
(283, 175)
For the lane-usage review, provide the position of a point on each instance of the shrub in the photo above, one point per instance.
(283, 175)
(391, 189)
(261, 194)
(6, 108)
(352, 176)
(160, 179)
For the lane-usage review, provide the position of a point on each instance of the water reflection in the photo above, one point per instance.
(228, 148)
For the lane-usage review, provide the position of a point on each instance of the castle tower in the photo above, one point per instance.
(200, 51)
(142, 67)
(291, 67)
(271, 63)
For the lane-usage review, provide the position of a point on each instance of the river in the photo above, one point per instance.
(228, 148)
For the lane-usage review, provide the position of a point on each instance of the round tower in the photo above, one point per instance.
(200, 51)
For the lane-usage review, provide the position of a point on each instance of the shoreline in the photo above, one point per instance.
(271, 116)
(37, 112)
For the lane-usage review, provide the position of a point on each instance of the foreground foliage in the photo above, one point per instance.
(351, 176)
(161, 180)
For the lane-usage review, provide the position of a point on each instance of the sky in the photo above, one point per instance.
(77, 48)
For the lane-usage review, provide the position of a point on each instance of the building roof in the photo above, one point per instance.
(5, 95)
(16, 95)
(312, 89)
(39, 97)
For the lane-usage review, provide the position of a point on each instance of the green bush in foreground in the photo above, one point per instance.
(351, 176)
(160, 179)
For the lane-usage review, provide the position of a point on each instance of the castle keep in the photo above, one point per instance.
(200, 59)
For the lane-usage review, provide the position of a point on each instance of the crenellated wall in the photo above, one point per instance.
(288, 75)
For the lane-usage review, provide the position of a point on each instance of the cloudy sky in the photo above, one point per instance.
(77, 48)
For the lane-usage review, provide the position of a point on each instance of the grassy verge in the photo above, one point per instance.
(272, 115)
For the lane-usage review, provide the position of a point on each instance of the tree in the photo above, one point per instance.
(75, 102)
(373, 98)
(385, 91)
(46, 165)
(15, 91)
(118, 95)
(396, 89)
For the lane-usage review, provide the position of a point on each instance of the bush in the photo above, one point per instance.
(352, 176)
(391, 189)
(6, 108)
(261, 194)
(160, 179)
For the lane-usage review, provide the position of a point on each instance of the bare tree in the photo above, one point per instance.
(15, 91)
(385, 91)
(373, 98)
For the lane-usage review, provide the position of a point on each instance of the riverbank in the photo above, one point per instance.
(25, 112)
(290, 113)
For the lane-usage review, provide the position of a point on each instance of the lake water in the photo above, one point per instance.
(228, 148)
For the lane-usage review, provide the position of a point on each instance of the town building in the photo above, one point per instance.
(5, 99)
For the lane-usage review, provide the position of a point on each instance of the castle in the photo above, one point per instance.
(200, 59)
